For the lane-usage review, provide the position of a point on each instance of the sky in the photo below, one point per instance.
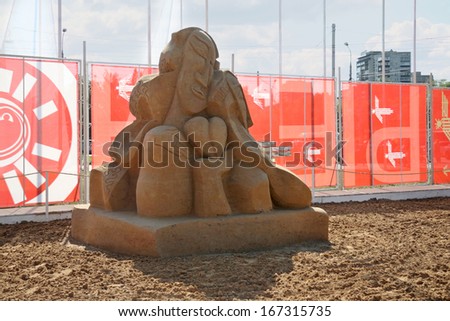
(248, 30)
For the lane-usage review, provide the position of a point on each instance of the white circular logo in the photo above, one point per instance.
(16, 125)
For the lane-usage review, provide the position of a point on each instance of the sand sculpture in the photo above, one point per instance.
(189, 155)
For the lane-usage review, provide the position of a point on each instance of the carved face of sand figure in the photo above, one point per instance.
(176, 50)
(171, 56)
(191, 54)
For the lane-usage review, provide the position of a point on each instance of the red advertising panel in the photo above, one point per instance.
(384, 129)
(415, 130)
(259, 93)
(356, 134)
(398, 138)
(306, 119)
(441, 136)
(110, 93)
(324, 127)
(38, 131)
(293, 123)
(298, 118)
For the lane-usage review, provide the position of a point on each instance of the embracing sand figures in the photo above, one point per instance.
(189, 151)
(186, 176)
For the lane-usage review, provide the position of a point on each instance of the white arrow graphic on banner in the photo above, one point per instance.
(312, 152)
(380, 112)
(392, 156)
(260, 96)
(125, 87)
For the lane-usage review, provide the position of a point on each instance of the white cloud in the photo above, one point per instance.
(304, 62)
(242, 36)
(252, 60)
(432, 44)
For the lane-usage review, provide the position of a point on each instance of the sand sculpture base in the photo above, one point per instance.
(128, 233)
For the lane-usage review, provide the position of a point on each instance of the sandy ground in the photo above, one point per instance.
(378, 250)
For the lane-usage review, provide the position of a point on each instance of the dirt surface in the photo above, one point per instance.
(378, 250)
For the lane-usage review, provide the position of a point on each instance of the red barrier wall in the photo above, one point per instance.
(300, 114)
(110, 93)
(384, 127)
(38, 131)
(441, 135)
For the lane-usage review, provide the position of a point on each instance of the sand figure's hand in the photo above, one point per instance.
(207, 136)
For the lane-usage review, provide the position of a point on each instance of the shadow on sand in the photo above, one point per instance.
(230, 276)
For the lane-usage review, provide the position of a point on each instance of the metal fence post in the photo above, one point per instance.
(339, 134)
(46, 195)
(430, 142)
(85, 126)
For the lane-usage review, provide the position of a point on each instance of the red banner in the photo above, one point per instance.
(38, 131)
(356, 134)
(259, 92)
(441, 136)
(398, 139)
(385, 136)
(298, 117)
(306, 119)
(110, 93)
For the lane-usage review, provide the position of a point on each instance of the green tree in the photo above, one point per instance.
(442, 83)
